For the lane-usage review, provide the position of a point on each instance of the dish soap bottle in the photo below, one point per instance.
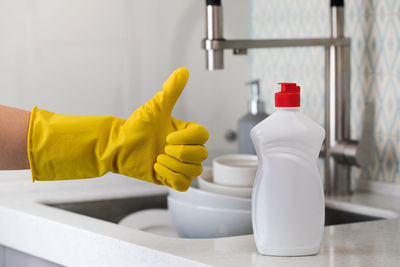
(255, 115)
(288, 207)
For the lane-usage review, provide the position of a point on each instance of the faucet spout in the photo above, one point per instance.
(214, 31)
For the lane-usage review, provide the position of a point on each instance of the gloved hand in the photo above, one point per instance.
(151, 145)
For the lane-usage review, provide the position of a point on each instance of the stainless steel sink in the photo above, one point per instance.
(113, 210)
(337, 216)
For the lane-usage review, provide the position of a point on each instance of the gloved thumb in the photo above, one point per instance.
(173, 88)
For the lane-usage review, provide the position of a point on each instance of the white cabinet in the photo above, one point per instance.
(13, 258)
(2, 248)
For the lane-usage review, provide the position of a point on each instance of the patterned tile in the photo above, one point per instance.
(382, 44)
(385, 167)
(357, 29)
(389, 28)
(389, 106)
(374, 26)
(369, 7)
(396, 7)
(373, 42)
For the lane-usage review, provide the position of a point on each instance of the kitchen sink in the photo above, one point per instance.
(114, 210)
(337, 216)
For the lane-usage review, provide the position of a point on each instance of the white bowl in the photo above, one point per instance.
(196, 221)
(209, 199)
(155, 221)
(235, 169)
(206, 184)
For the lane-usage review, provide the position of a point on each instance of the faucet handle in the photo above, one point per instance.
(364, 153)
(358, 153)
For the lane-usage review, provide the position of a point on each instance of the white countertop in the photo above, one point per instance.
(71, 239)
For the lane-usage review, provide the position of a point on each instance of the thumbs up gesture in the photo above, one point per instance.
(170, 147)
(151, 145)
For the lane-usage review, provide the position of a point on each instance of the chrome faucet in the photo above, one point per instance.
(339, 151)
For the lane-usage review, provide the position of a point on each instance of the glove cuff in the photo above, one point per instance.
(63, 147)
(29, 145)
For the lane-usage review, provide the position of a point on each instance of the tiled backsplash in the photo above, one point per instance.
(374, 29)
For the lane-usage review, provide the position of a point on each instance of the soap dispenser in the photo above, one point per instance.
(255, 115)
(288, 207)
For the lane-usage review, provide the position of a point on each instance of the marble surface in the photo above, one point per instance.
(71, 239)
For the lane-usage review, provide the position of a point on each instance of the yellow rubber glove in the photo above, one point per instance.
(151, 145)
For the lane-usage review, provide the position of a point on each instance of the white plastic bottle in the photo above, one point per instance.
(288, 208)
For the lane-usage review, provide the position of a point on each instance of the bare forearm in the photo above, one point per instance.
(14, 124)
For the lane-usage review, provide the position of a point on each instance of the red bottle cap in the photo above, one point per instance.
(289, 96)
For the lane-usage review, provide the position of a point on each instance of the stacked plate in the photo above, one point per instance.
(218, 204)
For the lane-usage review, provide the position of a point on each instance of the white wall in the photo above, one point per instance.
(107, 57)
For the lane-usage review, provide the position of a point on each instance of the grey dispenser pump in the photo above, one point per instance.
(255, 115)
